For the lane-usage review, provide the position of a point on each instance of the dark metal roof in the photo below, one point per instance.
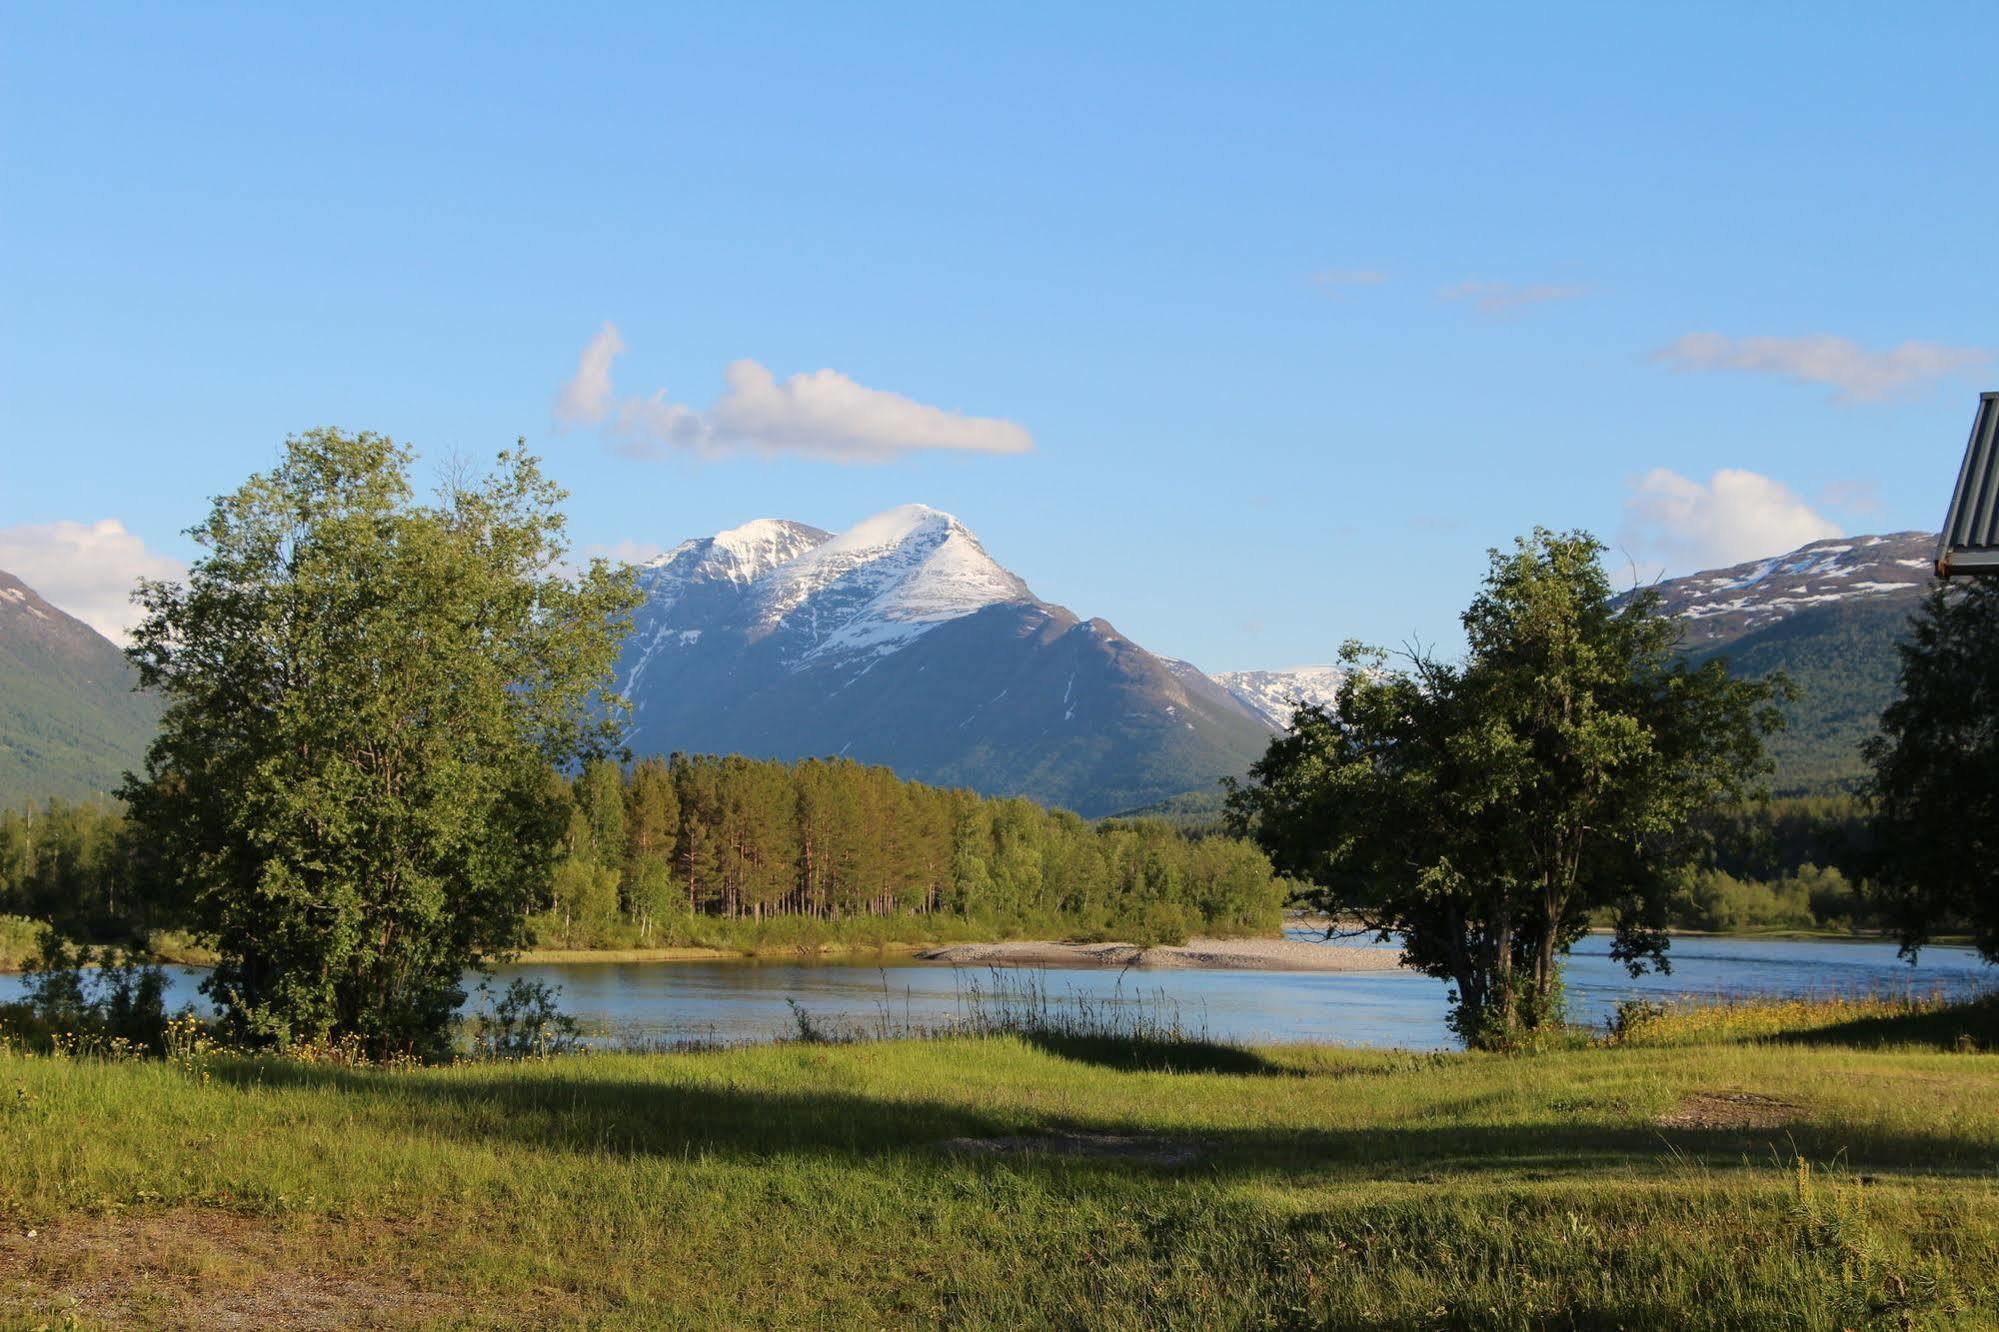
(1970, 543)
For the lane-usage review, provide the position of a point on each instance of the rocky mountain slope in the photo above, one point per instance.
(70, 724)
(901, 641)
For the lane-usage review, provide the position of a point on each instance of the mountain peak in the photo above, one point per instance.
(883, 581)
(892, 527)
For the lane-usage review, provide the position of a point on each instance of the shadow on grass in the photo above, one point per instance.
(564, 1106)
(1142, 1054)
(1967, 1026)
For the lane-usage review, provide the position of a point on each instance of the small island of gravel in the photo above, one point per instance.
(1214, 954)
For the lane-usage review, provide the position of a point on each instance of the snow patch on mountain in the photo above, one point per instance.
(744, 554)
(882, 583)
(1720, 604)
(1275, 695)
(863, 593)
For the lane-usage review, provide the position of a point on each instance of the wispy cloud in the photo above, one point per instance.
(1499, 299)
(586, 398)
(1338, 281)
(819, 414)
(1673, 523)
(87, 569)
(1854, 373)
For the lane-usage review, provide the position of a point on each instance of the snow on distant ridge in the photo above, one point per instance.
(1275, 695)
(748, 552)
(869, 590)
(1718, 604)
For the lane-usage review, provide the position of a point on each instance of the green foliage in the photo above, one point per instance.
(524, 1022)
(757, 856)
(1936, 774)
(85, 999)
(77, 866)
(734, 850)
(1797, 863)
(1766, 839)
(364, 695)
(1486, 810)
(20, 939)
(1716, 900)
(1841, 662)
(1198, 813)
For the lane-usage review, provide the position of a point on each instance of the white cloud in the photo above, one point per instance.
(820, 414)
(586, 398)
(1853, 372)
(1498, 299)
(1677, 524)
(87, 569)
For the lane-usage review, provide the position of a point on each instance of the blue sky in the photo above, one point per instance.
(1301, 308)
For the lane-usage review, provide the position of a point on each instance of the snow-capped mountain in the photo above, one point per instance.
(1723, 604)
(1828, 615)
(883, 583)
(1275, 695)
(901, 641)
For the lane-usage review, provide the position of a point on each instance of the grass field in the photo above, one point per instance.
(1811, 1167)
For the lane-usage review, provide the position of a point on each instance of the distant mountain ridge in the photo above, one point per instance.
(1828, 615)
(70, 722)
(1722, 605)
(1275, 695)
(902, 641)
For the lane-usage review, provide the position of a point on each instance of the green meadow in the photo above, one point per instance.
(1793, 1166)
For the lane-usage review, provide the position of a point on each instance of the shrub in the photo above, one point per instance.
(93, 999)
(524, 1023)
(20, 940)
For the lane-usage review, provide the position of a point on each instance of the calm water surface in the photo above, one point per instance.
(738, 1000)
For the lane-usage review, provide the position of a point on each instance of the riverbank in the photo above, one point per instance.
(1208, 954)
(567, 956)
(1017, 1182)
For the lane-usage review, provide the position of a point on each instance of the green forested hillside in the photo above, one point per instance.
(70, 724)
(1843, 661)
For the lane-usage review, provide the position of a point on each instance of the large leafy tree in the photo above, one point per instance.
(1936, 774)
(365, 693)
(1485, 810)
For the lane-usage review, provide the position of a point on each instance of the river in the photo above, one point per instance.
(746, 999)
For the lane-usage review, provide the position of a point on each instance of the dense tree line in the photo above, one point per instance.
(74, 865)
(663, 851)
(652, 851)
(1787, 863)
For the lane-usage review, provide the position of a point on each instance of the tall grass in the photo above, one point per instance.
(815, 1184)
(1935, 1021)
